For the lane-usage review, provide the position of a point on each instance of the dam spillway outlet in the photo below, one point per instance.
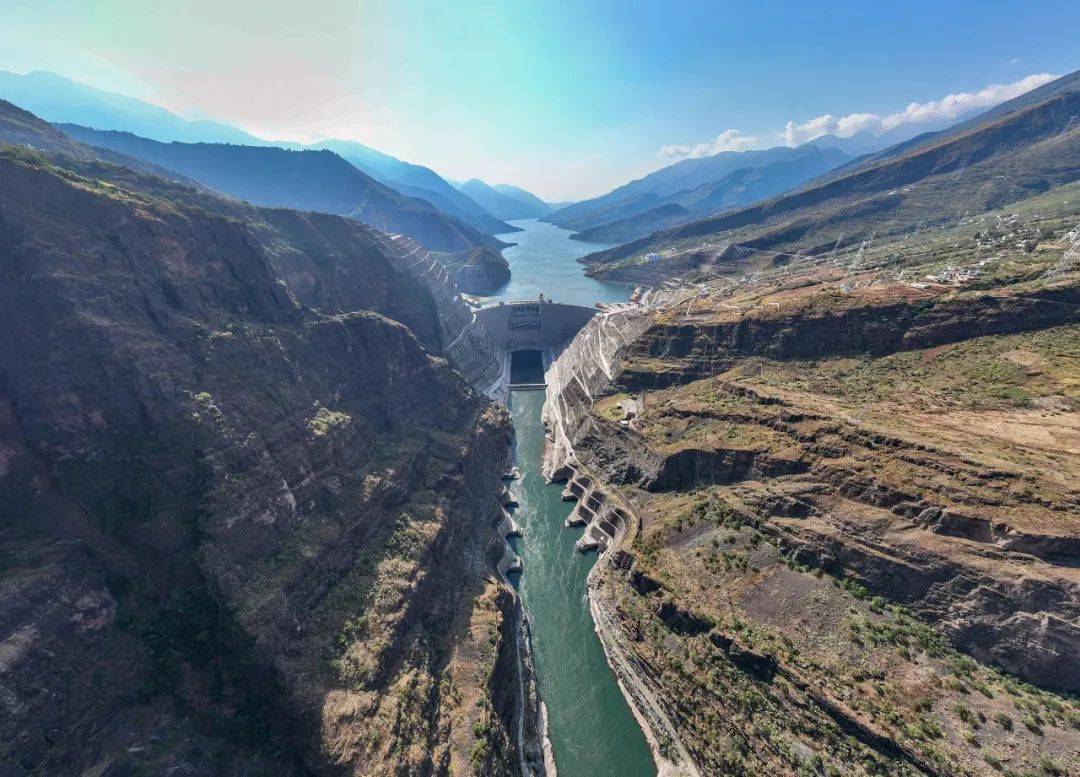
(542, 327)
(526, 367)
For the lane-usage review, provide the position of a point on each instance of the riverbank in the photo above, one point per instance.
(591, 730)
(669, 754)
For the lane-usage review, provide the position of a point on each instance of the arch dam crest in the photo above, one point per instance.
(530, 335)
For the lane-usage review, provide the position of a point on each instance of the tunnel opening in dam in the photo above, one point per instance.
(526, 367)
(528, 336)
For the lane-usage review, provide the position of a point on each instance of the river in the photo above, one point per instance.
(592, 731)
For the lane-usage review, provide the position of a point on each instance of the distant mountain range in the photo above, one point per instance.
(1020, 148)
(866, 142)
(58, 99)
(62, 100)
(318, 180)
(306, 180)
(505, 202)
(694, 187)
(417, 181)
(526, 198)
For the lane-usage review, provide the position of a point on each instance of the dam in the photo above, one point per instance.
(530, 334)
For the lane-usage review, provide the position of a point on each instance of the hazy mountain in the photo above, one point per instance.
(417, 181)
(62, 100)
(691, 174)
(527, 198)
(856, 145)
(1017, 149)
(500, 204)
(633, 227)
(640, 209)
(750, 184)
(653, 190)
(58, 99)
(866, 142)
(25, 129)
(304, 180)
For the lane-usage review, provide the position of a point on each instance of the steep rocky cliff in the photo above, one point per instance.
(839, 508)
(247, 507)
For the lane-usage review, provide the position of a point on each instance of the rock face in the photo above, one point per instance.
(479, 271)
(891, 318)
(855, 510)
(247, 507)
(464, 338)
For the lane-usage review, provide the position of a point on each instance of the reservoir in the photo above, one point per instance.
(592, 731)
(544, 259)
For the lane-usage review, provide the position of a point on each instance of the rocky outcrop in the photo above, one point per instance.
(480, 271)
(793, 475)
(857, 322)
(245, 506)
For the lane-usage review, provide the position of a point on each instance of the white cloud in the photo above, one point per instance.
(728, 140)
(948, 107)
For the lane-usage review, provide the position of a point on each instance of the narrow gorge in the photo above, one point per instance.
(314, 462)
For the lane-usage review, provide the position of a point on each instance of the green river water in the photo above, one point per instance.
(592, 731)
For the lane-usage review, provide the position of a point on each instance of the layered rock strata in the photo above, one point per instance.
(248, 507)
(836, 494)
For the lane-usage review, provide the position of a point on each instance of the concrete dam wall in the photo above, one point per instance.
(479, 343)
(543, 327)
(534, 324)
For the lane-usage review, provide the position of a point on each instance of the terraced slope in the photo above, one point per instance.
(840, 503)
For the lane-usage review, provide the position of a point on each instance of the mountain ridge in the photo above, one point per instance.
(509, 207)
(680, 178)
(742, 186)
(62, 100)
(318, 180)
(1020, 147)
(222, 425)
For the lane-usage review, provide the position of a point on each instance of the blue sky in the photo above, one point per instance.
(565, 98)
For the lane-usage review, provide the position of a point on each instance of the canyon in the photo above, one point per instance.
(789, 489)
(199, 576)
